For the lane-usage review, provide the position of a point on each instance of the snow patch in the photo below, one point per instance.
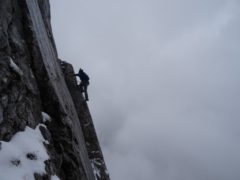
(23, 156)
(106, 171)
(46, 117)
(15, 68)
(55, 178)
(96, 171)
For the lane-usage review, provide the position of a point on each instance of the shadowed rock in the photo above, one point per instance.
(32, 82)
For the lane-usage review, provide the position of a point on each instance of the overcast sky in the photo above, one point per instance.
(164, 83)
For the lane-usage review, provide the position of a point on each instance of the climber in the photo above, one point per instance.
(84, 82)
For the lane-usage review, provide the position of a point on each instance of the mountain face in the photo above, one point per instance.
(46, 129)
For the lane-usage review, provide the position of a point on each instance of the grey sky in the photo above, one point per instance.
(164, 90)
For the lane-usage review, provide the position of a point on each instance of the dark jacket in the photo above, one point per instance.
(83, 76)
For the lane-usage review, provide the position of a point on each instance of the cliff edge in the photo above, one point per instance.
(46, 129)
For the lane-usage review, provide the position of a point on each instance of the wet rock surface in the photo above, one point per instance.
(32, 82)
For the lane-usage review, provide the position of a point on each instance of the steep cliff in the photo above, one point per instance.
(40, 103)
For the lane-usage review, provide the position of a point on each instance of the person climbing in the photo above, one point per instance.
(84, 82)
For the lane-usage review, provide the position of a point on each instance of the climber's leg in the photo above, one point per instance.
(85, 91)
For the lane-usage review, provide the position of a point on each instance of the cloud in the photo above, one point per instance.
(165, 85)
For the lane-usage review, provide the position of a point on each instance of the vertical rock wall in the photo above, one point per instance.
(32, 82)
(90, 136)
(20, 102)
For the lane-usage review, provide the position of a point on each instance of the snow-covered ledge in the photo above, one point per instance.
(23, 156)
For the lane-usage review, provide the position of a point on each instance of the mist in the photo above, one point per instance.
(164, 83)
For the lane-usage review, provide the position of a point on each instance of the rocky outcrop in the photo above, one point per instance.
(32, 82)
(90, 136)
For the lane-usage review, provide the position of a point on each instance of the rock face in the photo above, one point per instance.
(32, 81)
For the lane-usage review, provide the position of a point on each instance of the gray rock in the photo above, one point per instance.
(1, 114)
(90, 136)
(31, 156)
(16, 162)
(32, 82)
(4, 100)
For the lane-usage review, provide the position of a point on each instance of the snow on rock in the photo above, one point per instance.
(23, 156)
(55, 178)
(96, 171)
(46, 117)
(15, 68)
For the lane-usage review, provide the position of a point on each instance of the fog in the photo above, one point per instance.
(164, 83)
